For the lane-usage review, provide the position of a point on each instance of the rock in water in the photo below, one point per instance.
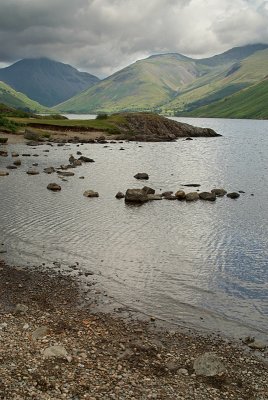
(136, 196)
(209, 364)
(233, 195)
(180, 195)
(32, 172)
(141, 175)
(219, 192)
(207, 196)
(4, 173)
(119, 195)
(148, 190)
(90, 193)
(192, 196)
(54, 187)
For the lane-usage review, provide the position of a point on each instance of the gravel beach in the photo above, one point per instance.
(52, 346)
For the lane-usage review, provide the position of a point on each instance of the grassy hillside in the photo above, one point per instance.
(248, 103)
(173, 84)
(143, 85)
(11, 98)
(225, 82)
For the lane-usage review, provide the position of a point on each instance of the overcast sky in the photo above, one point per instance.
(102, 36)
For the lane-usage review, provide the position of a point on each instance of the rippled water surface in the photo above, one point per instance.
(199, 264)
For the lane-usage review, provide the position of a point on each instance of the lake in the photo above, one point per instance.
(201, 264)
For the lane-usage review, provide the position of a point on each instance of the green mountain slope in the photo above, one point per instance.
(11, 98)
(173, 84)
(224, 83)
(46, 81)
(143, 85)
(248, 103)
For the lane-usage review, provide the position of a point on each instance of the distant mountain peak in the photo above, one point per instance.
(45, 80)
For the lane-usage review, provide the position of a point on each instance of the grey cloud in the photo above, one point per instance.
(102, 36)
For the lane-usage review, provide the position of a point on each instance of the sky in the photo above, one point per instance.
(103, 36)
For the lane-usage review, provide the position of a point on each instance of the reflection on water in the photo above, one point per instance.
(201, 264)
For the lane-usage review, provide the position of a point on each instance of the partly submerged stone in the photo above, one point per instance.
(233, 195)
(136, 196)
(219, 192)
(141, 175)
(119, 195)
(209, 196)
(54, 187)
(91, 193)
(192, 196)
(180, 195)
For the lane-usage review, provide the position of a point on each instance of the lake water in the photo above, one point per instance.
(199, 264)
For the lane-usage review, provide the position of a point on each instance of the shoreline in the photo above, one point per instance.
(106, 356)
(57, 136)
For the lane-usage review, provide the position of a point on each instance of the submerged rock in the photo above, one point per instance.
(65, 173)
(155, 197)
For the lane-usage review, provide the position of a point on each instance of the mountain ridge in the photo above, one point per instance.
(50, 83)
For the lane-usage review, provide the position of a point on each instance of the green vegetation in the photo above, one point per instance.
(248, 103)
(172, 84)
(108, 125)
(8, 126)
(20, 101)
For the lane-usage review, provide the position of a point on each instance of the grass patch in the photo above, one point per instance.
(8, 125)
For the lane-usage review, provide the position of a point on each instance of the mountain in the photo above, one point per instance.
(232, 79)
(174, 84)
(144, 85)
(251, 102)
(46, 81)
(11, 98)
